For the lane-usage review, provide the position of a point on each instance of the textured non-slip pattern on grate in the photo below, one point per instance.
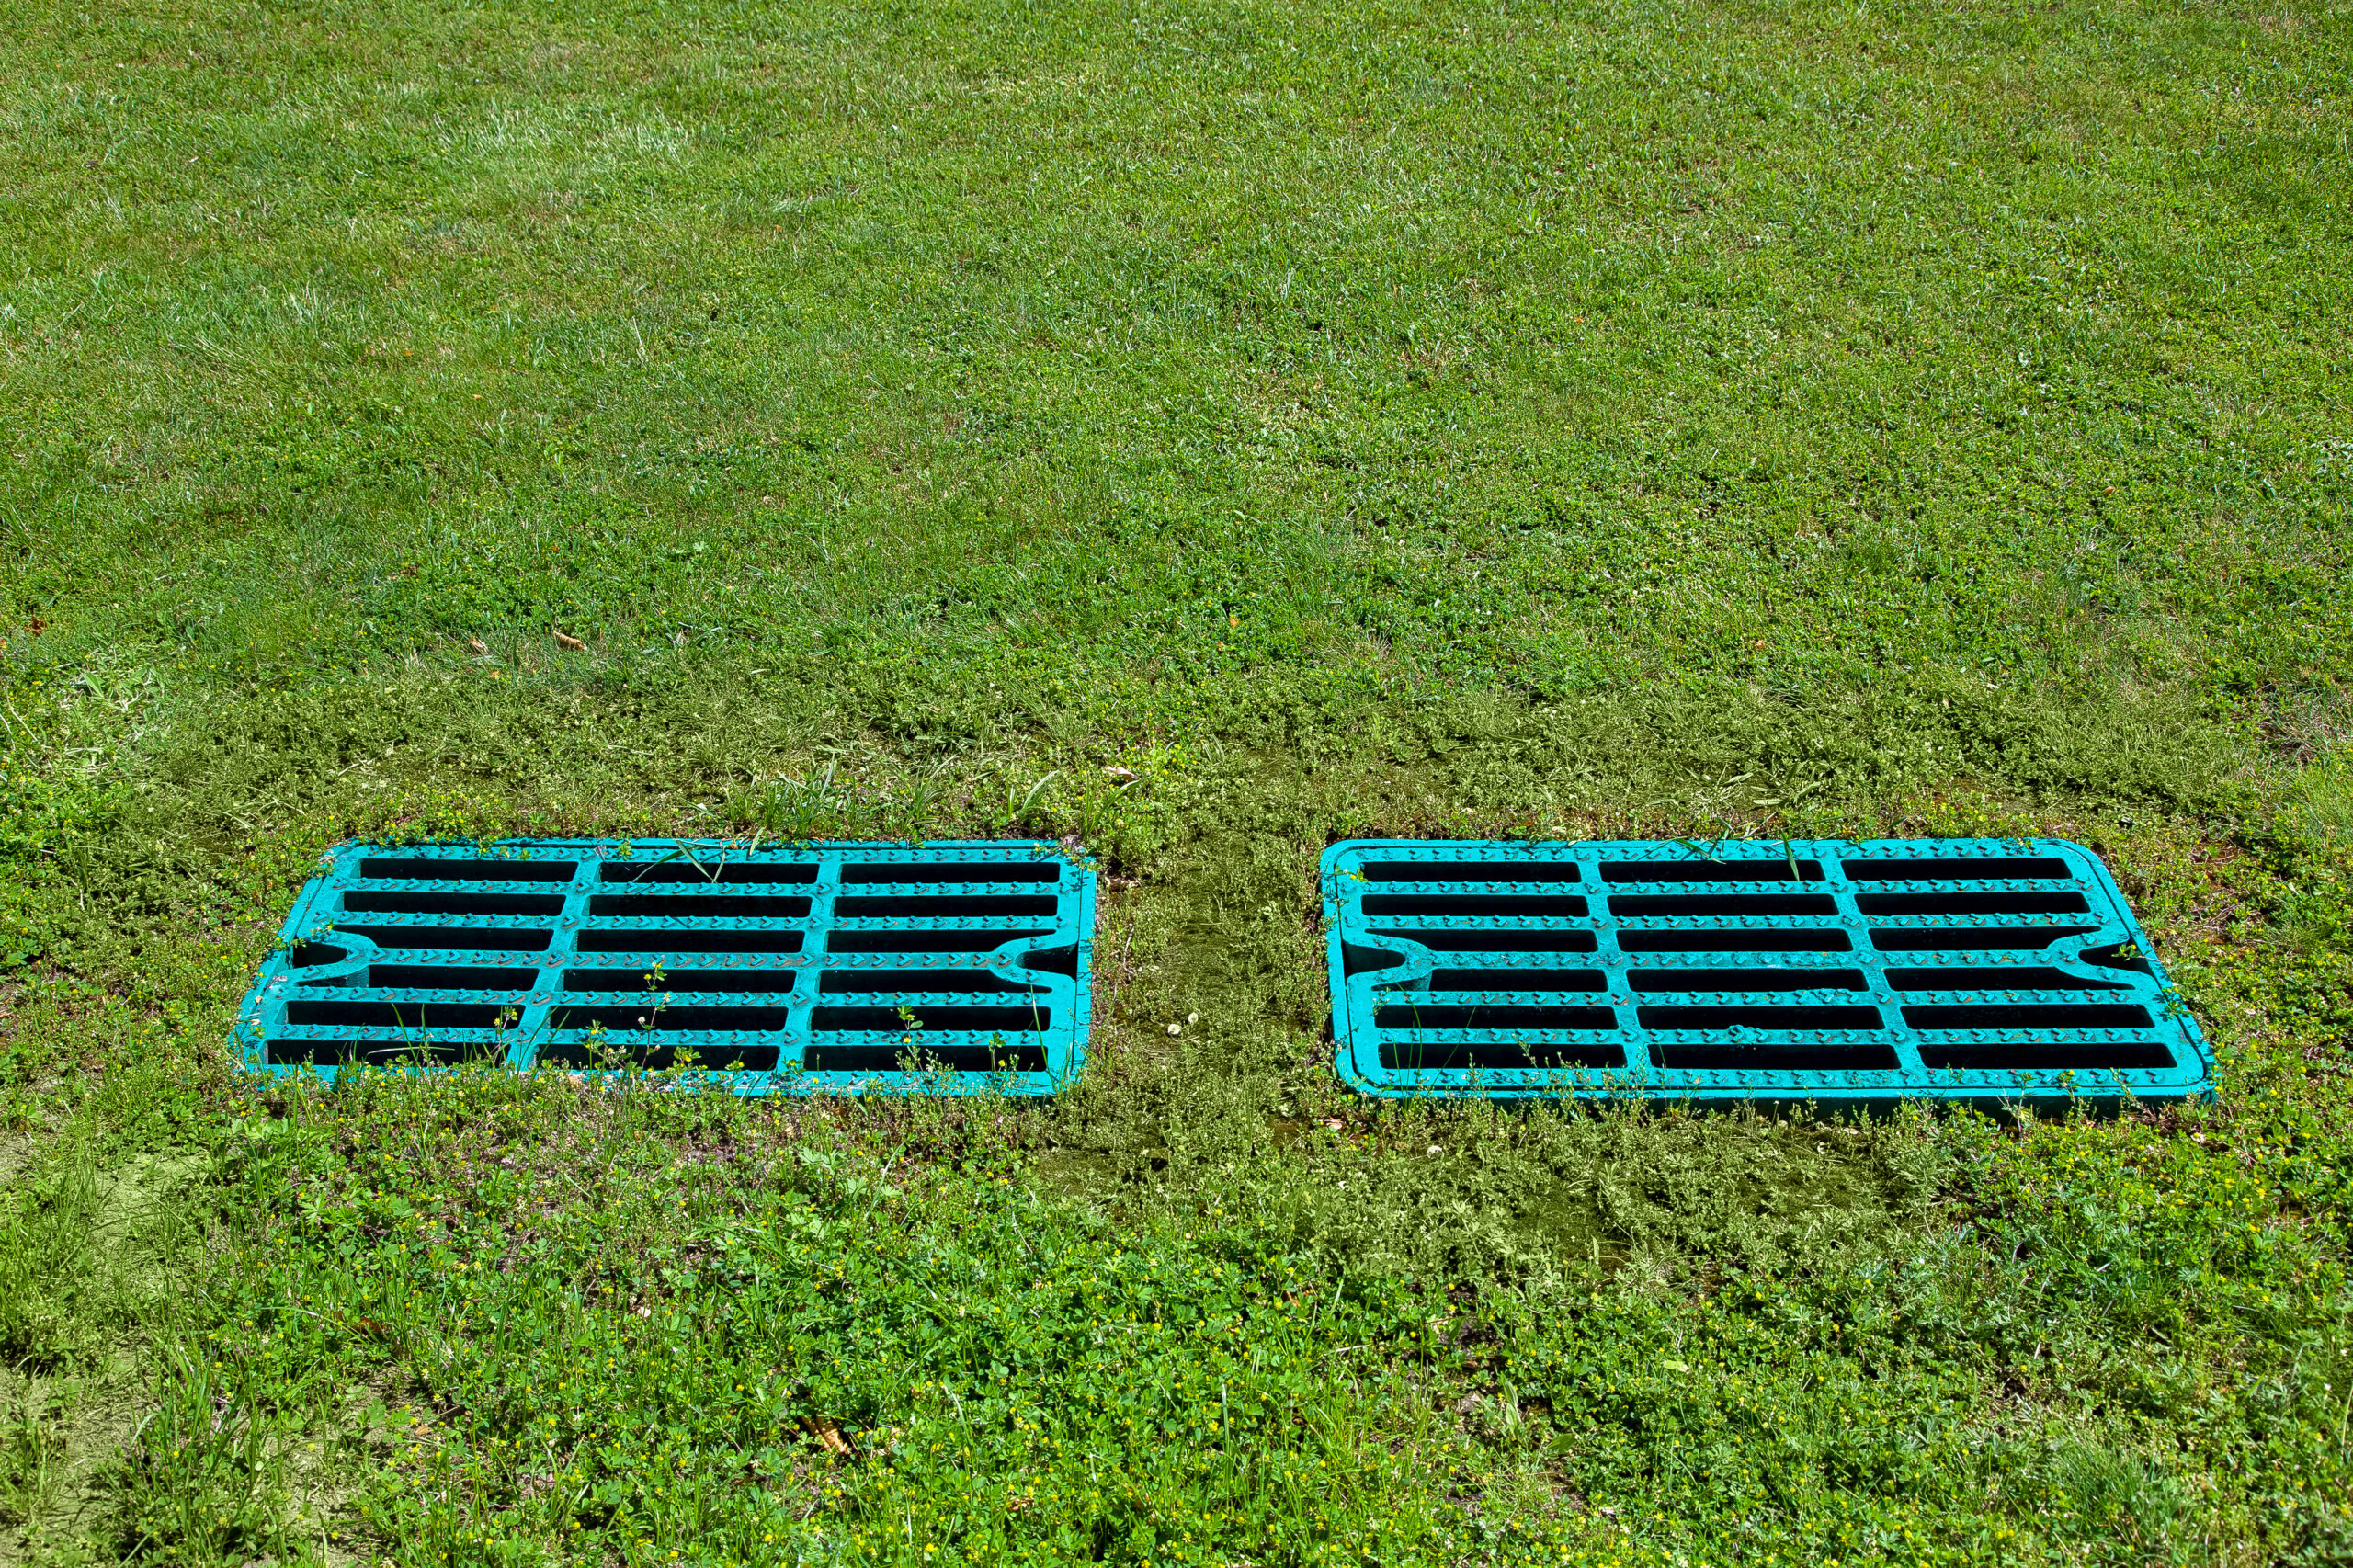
(807, 969)
(1988, 970)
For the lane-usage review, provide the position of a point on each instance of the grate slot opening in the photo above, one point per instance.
(734, 873)
(1504, 1015)
(1458, 941)
(688, 941)
(1709, 871)
(434, 977)
(970, 1019)
(1054, 960)
(1517, 980)
(1775, 1056)
(1752, 904)
(1496, 1056)
(614, 1017)
(1971, 903)
(315, 955)
(1798, 1018)
(1556, 871)
(942, 905)
(395, 1015)
(2046, 1056)
(451, 977)
(1766, 980)
(385, 868)
(377, 1052)
(705, 906)
(1968, 938)
(655, 1055)
(914, 982)
(457, 939)
(2015, 869)
(704, 982)
(1998, 977)
(952, 873)
(1732, 942)
(956, 1058)
(2026, 1015)
(1527, 906)
(979, 941)
(365, 903)
(2112, 957)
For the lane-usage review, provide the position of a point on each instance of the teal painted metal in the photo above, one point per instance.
(782, 969)
(1996, 971)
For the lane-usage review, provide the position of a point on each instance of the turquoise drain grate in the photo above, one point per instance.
(791, 970)
(1977, 969)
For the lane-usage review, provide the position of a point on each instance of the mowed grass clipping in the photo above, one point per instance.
(1194, 432)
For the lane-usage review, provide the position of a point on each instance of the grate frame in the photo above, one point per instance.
(784, 967)
(2016, 974)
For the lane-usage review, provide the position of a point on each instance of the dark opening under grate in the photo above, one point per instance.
(1991, 971)
(821, 967)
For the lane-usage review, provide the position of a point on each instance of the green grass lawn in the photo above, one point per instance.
(1589, 420)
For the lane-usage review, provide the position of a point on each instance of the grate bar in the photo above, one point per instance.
(815, 968)
(1994, 971)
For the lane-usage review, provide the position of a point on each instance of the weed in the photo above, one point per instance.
(32, 1456)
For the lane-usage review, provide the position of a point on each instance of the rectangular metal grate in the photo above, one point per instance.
(1980, 970)
(793, 970)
